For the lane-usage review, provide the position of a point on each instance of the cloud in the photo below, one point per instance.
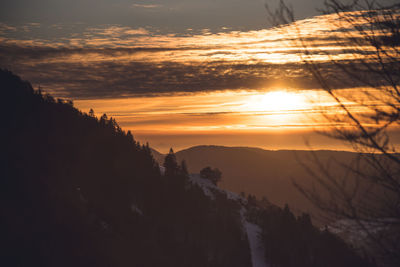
(118, 31)
(4, 27)
(148, 6)
(139, 31)
(113, 78)
(119, 61)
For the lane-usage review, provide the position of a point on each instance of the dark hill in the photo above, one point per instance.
(76, 190)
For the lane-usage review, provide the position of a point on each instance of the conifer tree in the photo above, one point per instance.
(170, 164)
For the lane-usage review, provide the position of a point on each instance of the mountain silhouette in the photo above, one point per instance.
(77, 190)
(263, 173)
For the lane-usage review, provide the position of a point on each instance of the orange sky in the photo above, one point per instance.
(274, 119)
(241, 88)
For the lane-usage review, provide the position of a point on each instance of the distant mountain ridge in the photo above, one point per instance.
(264, 173)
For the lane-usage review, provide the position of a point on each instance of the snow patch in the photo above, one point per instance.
(162, 169)
(357, 232)
(252, 230)
(104, 225)
(236, 197)
(256, 247)
(208, 189)
(136, 210)
(204, 184)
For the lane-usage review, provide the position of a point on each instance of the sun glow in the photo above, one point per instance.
(276, 101)
(225, 111)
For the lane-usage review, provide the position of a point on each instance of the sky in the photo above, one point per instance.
(179, 73)
(173, 15)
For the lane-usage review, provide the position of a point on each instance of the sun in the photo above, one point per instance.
(276, 101)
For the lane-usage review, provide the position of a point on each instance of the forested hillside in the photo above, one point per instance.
(76, 190)
(293, 241)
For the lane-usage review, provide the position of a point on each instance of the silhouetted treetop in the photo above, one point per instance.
(170, 164)
(214, 175)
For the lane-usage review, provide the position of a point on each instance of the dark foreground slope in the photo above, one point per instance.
(78, 191)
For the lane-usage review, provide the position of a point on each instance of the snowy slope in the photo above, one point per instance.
(209, 188)
(256, 247)
(252, 230)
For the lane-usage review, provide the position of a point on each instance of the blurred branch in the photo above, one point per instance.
(367, 191)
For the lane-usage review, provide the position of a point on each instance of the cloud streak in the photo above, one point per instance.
(147, 6)
(116, 61)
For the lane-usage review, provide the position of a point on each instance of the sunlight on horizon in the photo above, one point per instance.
(249, 111)
(197, 82)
